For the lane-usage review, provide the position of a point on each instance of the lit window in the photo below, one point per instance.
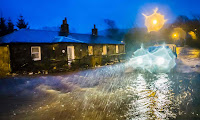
(70, 53)
(36, 53)
(104, 50)
(90, 50)
(117, 48)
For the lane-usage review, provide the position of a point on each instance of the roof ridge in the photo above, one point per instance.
(41, 30)
(45, 36)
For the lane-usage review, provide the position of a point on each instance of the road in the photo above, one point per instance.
(106, 93)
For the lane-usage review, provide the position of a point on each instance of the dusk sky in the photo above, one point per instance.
(82, 14)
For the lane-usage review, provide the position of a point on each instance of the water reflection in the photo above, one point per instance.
(188, 52)
(151, 99)
(185, 91)
(107, 93)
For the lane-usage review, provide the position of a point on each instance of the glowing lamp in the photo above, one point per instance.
(154, 21)
(178, 33)
(175, 34)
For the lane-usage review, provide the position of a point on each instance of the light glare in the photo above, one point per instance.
(154, 21)
(139, 60)
(178, 33)
(160, 61)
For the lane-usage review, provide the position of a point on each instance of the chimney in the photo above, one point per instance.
(64, 31)
(95, 31)
(65, 21)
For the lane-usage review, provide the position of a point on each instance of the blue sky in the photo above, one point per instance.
(82, 14)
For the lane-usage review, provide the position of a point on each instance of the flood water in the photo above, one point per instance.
(106, 93)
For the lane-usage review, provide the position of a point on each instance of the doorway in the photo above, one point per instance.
(70, 54)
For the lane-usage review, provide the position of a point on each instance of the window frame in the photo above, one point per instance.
(39, 53)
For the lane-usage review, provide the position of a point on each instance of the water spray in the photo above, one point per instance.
(155, 59)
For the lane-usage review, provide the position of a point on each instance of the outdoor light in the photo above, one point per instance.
(178, 33)
(193, 35)
(160, 61)
(175, 34)
(154, 21)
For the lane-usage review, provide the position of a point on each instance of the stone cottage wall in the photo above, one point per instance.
(4, 60)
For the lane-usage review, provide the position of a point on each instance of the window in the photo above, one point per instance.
(70, 53)
(104, 50)
(117, 48)
(36, 53)
(90, 50)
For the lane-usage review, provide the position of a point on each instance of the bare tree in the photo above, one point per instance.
(112, 31)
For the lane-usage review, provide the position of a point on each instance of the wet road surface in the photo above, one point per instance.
(106, 93)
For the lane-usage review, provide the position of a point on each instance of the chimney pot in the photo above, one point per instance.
(65, 21)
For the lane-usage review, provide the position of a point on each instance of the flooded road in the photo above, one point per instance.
(106, 93)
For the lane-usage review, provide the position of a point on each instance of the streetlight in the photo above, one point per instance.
(175, 36)
(179, 35)
(155, 21)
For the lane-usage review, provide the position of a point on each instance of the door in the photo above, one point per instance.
(70, 53)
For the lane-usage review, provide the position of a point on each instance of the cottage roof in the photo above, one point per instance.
(44, 36)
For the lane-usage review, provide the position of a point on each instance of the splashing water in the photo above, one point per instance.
(107, 93)
(155, 59)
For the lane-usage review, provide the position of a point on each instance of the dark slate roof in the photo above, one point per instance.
(43, 36)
